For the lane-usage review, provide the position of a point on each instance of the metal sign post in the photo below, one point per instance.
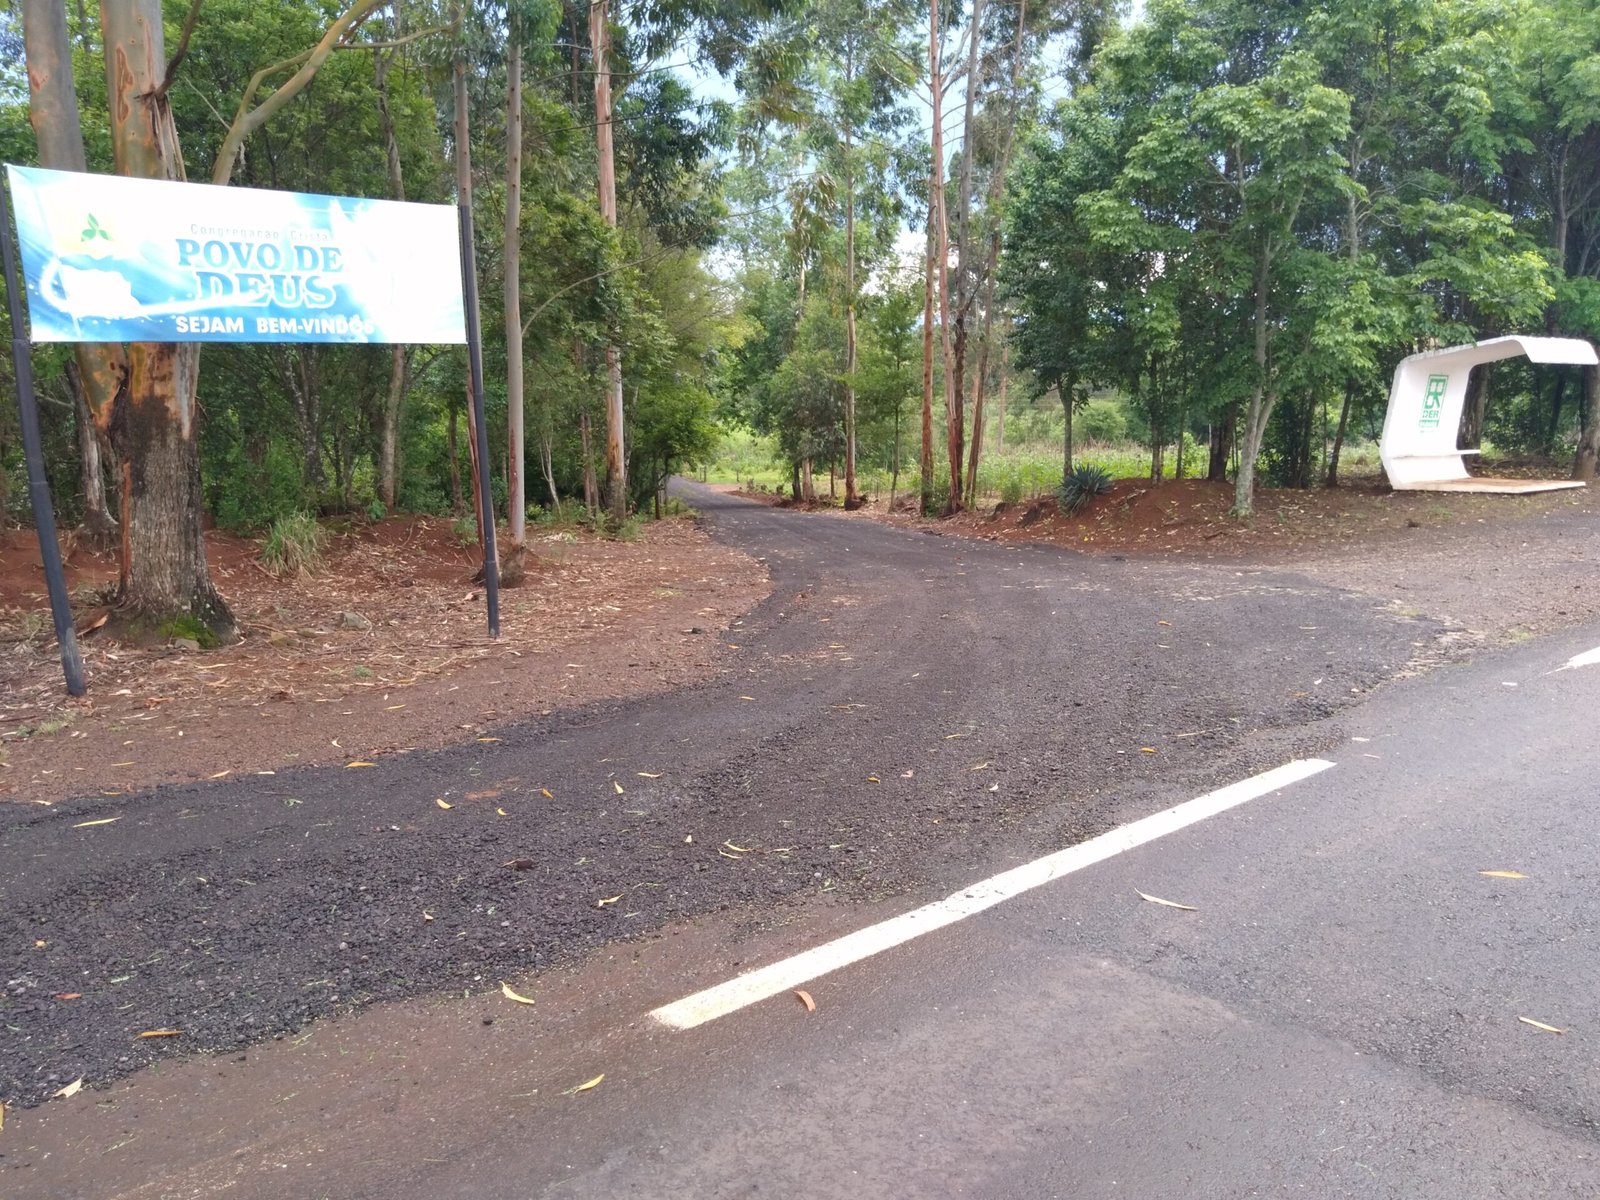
(44, 517)
(469, 291)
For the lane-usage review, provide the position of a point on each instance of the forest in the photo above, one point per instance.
(842, 230)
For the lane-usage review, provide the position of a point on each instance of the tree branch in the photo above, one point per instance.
(248, 119)
(395, 43)
(182, 51)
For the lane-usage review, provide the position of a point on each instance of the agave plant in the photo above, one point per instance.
(1082, 485)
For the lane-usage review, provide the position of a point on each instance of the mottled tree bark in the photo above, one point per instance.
(153, 421)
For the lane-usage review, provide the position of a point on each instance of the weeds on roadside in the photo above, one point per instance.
(294, 545)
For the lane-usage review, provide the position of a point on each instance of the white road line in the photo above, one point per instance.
(1588, 658)
(746, 989)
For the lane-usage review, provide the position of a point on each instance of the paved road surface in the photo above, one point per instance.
(1338, 1017)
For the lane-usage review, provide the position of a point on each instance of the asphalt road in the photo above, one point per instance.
(1340, 1016)
(906, 715)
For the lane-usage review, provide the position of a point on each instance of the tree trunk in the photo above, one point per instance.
(1558, 395)
(456, 504)
(511, 560)
(941, 224)
(154, 423)
(981, 380)
(1261, 400)
(99, 526)
(927, 371)
(1589, 441)
(1332, 479)
(600, 48)
(591, 489)
(388, 466)
(1222, 434)
(463, 163)
(851, 500)
(1474, 407)
(808, 489)
(547, 462)
(58, 130)
(894, 474)
(1067, 390)
(1005, 372)
(966, 282)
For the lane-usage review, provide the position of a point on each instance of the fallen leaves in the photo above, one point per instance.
(1503, 874)
(618, 786)
(1166, 903)
(545, 792)
(873, 779)
(586, 1086)
(1147, 749)
(101, 821)
(68, 996)
(1540, 1025)
(647, 775)
(443, 803)
(519, 864)
(805, 998)
(606, 901)
(72, 1089)
(161, 1033)
(511, 993)
(360, 762)
(502, 812)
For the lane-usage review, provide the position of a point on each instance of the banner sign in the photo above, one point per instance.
(112, 259)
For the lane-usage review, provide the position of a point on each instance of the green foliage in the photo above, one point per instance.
(1081, 486)
(191, 628)
(1100, 420)
(294, 545)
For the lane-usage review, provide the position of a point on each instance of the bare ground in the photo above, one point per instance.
(384, 650)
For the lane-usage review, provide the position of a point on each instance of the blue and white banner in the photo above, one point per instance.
(111, 259)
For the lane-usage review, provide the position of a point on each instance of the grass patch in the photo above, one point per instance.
(293, 546)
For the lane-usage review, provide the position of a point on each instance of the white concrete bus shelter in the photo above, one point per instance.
(1419, 448)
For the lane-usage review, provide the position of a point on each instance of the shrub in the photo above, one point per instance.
(294, 545)
(1083, 485)
(1100, 421)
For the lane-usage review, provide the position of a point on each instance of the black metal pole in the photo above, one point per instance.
(469, 291)
(44, 517)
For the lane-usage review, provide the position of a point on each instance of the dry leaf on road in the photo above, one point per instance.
(443, 803)
(101, 821)
(150, 1033)
(647, 775)
(510, 993)
(359, 763)
(618, 786)
(1166, 903)
(586, 1086)
(1503, 874)
(805, 998)
(72, 1089)
(606, 901)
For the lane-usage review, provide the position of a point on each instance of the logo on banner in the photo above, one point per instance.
(1433, 401)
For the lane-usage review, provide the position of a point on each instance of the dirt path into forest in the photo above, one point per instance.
(901, 714)
(1500, 567)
